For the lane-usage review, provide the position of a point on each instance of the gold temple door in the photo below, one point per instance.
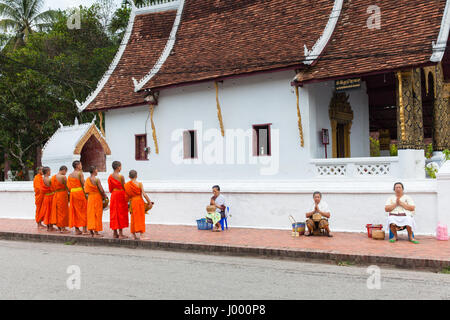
(341, 117)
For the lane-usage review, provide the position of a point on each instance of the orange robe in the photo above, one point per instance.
(118, 206)
(38, 195)
(94, 206)
(60, 206)
(137, 209)
(78, 204)
(46, 207)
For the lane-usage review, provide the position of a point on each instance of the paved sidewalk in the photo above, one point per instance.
(343, 247)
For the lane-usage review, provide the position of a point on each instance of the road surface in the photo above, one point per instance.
(33, 270)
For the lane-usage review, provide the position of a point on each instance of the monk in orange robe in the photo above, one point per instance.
(60, 206)
(46, 207)
(38, 196)
(96, 195)
(78, 202)
(118, 207)
(135, 192)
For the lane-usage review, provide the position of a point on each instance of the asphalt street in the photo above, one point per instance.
(33, 270)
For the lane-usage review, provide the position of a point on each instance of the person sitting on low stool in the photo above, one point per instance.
(317, 216)
(401, 209)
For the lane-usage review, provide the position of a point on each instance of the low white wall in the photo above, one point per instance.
(253, 204)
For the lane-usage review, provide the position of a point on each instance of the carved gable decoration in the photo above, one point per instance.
(93, 131)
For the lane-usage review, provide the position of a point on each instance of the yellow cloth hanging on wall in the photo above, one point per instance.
(100, 115)
(219, 112)
(155, 140)
(300, 127)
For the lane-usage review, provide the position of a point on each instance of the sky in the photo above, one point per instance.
(65, 4)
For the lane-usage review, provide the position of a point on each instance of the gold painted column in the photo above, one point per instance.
(409, 111)
(348, 128)
(441, 112)
(333, 138)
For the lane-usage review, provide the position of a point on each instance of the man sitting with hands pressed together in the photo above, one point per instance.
(320, 207)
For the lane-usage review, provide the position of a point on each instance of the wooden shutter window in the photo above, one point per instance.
(141, 145)
(190, 144)
(261, 140)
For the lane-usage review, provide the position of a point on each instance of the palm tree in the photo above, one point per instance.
(22, 17)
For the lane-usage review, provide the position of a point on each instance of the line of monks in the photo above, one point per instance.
(73, 202)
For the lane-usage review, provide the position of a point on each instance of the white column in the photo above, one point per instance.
(411, 163)
(443, 192)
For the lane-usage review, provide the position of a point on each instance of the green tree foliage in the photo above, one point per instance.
(23, 17)
(119, 22)
(40, 80)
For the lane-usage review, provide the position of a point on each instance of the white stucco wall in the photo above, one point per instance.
(353, 203)
(247, 101)
(258, 99)
(320, 95)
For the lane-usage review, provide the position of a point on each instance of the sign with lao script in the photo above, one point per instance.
(347, 84)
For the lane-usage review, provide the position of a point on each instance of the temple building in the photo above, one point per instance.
(275, 99)
(306, 81)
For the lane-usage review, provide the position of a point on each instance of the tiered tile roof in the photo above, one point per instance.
(407, 31)
(218, 39)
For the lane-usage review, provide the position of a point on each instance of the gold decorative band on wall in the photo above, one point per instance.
(100, 115)
(300, 127)
(155, 140)
(401, 106)
(219, 111)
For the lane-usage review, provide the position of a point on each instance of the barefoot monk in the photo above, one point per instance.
(78, 203)
(46, 208)
(38, 196)
(135, 192)
(118, 207)
(60, 206)
(96, 195)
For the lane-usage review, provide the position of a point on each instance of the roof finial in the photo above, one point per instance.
(75, 123)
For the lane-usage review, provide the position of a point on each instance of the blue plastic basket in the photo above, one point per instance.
(202, 224)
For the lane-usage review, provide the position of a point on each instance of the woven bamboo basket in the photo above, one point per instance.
(378, 234)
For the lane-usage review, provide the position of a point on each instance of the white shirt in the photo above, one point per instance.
(399, 209)
(323, 206)
(220, 200)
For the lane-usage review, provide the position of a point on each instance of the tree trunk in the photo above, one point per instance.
(6, 157)
(38, 157)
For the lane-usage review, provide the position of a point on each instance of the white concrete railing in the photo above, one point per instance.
(356, 167)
